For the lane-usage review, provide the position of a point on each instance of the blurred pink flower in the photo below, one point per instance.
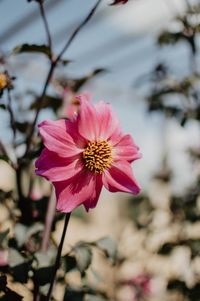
(116, 2)
(144, 282)
(3, 258)
(85, 153)
(71, 102)
(141, 284)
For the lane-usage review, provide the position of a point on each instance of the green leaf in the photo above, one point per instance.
(20, 272)
(95, 298)
(178, 285)
(4, 157)
(3, 236)
(48, 101)
(194, 292)
(166, 248)
(169, 38)
(3, 282)
(3, 107)
(5, 195)
(22, 127)
(108, 246)
(34, 229)
(32, 48)
(194, 246)
(69, 263)
(86, 293)
(15, 258)
(43, 275)
(19, 267)
(11, 296)
(72, 294)
(65, 62)
(78, 83)
(23, 233)
(83, 255)
(45, 259)
(8, 293)
(20, 231)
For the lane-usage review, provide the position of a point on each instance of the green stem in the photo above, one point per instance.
(57, 262)
(53, 65)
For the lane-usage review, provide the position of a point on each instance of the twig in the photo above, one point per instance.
(57, 262)
(51, 71)
(48, 222)
(10, 111)
(19, 184)
(4, 153)
(91, 13)
(41, 99)
(46, 26)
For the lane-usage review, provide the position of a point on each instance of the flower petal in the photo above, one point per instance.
(74, 192)
(120, 178)
(72, 130)
(87, 119)
(92, 201)
(126, 149)
(55, 168)
(107, 121)
(57, 139)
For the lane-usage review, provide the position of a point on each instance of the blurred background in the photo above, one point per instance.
(143, 57)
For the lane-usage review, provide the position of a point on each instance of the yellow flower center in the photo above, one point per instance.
(98, 156)
(3, 80)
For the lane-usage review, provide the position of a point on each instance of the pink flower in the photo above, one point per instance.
(71, 102)
(3, 258)
(86, 153)
(116, 2)
(141, 284)
(144, 282)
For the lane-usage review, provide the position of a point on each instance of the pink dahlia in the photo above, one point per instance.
(84, 154)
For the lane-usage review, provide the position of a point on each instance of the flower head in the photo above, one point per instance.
(3, 80)
(141, 285)
(84, 154)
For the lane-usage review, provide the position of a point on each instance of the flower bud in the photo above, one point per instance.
(3, 81)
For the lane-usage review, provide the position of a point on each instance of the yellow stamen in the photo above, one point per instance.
(98, 156)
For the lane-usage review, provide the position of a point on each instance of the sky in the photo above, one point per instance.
(113, 37)
(120, 39)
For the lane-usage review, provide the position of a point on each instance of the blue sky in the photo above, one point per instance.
(121, 39)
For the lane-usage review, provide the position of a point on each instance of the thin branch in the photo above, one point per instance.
(57, 262)
(19, 184)
(10, 111)
(4, 152)
(28, 141)
(48, 222)
(51, 71)
(46, 26)
(85, 21)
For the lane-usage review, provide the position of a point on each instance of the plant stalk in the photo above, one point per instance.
(57, 262)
